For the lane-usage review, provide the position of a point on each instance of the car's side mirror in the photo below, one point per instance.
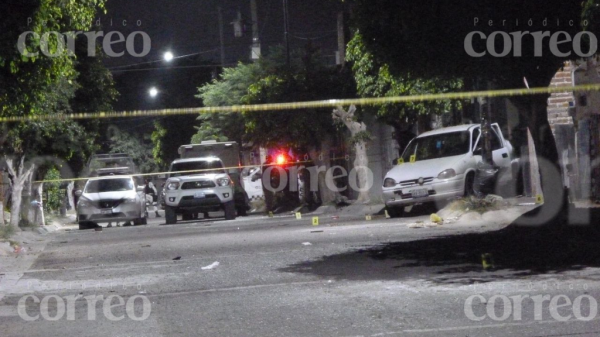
(395, 162)
(78, 193)
(140, 188)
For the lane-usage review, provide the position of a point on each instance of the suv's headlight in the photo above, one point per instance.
(389, 182)
(447, 174)
(173, 185)
(223, 182)
(83, 203)
(130, 200)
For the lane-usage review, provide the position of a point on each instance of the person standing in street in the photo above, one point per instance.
(151, 196)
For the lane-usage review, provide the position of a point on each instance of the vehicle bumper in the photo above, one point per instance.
(121, 213)
(186, 200)
(438, 190)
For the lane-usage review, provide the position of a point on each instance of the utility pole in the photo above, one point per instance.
(221, 37)
(286, 25)
(341, 59)
(256, 52)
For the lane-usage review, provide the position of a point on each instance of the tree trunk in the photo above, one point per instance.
(361, 163)
(323, 163)
(15, 207)
(19, 175)
(26, 198)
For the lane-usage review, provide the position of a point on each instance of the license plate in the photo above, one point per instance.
(419, 193)
(106, 211)
(199, 195)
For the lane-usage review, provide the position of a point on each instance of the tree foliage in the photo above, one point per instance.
(271, 81)
(374, 79)
(138, 146)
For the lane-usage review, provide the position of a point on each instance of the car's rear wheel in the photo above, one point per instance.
(170, 215)
(395, 212)
(230, 210)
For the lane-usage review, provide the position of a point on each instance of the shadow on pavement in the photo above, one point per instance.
(516, 252)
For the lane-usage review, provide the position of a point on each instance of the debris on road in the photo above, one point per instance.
(436, 219)
(306, 244)
(211, 266)
(316, 231)
(177, 258)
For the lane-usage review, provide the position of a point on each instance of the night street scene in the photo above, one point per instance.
(299, 168)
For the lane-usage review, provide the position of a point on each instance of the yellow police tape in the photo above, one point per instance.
(161, 173)
(332, 103)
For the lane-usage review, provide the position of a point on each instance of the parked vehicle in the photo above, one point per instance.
(110, 164)
(229, 154)
(209, 189)
(252, 182)
(111, 199)
(441, 164)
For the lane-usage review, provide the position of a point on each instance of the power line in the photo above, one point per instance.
(161, 60)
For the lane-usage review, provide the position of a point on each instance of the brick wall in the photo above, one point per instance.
(558, 103)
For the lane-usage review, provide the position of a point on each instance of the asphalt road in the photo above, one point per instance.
(285, 277)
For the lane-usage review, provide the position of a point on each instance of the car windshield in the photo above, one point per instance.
(438, 146)
(203, 167)
(109, 185)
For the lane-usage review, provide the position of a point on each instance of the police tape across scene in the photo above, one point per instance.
(332, 103)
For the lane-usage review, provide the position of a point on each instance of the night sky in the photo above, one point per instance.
(191, 26)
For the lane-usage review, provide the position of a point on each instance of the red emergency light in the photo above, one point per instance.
(281, 160)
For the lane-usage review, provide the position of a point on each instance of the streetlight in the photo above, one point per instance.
(169, 56)
(153, 92)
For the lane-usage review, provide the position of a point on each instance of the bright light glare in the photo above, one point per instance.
(153, 92)
(169, 56)
(281, 159)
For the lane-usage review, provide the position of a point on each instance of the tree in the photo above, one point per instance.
(37, 85)
(426, 39)
(138, 146)
(271, 80)
(374, 79)
(359, 140)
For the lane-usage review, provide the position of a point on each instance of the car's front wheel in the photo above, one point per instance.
(170, 215)
(395, 212)
(470, 184)
(229, 210)
(87, 225)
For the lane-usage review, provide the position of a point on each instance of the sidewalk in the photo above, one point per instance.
(56, 223)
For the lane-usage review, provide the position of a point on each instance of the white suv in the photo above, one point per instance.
(198, 185)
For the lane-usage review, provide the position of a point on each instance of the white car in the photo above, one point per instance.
(253, 183)
(111, 199)
(189, 193)
(441, 164)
